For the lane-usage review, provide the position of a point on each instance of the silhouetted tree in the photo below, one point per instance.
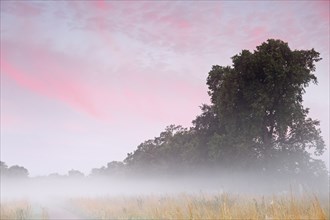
(257, 104)
(75, 173)
(17, 171)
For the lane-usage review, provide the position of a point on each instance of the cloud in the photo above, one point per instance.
(149, 93)
(22, 8)
(92, 68)
(102, 4)
(74, 94)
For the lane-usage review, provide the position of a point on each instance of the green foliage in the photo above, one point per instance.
(258, 103)
(114, 168)
(165, 152)
(256, 118)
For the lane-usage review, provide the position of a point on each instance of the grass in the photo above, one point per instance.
(182, 206)
(21, 210)
(16, 210)
(202, 206)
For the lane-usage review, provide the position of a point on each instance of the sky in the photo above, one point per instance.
(84, 83)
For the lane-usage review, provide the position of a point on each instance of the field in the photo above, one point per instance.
(203, 206)
(175, 206)
(21, 209)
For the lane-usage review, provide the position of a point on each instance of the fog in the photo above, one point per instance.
(56, 195)
(237, 183)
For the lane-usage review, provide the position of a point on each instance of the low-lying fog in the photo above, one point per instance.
(138, 196)
(66, 187)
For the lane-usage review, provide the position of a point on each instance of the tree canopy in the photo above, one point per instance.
(256, 118)
(258, 102)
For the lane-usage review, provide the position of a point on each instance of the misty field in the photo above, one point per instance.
(202, 206)
(21, 209)
(177, 206)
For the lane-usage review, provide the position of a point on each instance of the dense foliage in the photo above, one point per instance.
(255, 121)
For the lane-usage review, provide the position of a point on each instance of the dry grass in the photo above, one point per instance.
(202, 206)
(183, 206)
(20, 210)
(16, 210)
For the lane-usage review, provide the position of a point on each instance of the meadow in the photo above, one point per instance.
(174, 206)
(203, 206)
(21, 209)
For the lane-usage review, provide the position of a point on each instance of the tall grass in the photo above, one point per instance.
(202, 206)
(15, 210)
(22, 210)
(182, 206)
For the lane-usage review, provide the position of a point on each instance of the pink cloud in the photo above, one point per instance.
(258, 31)
(72, 93)
(22, 8)
(102, 4)
(146, 93)
(179, 29)
(51, 74)
(176, 27)
(323, 9)
(21, 79)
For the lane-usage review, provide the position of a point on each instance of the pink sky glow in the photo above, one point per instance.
(84, 82)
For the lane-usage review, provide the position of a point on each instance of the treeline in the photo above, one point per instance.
(17, 171)
(13, 171)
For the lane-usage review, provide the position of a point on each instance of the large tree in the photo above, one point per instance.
(256, 119)
(257, 103)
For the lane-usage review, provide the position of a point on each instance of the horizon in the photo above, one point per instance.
(84, 83)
